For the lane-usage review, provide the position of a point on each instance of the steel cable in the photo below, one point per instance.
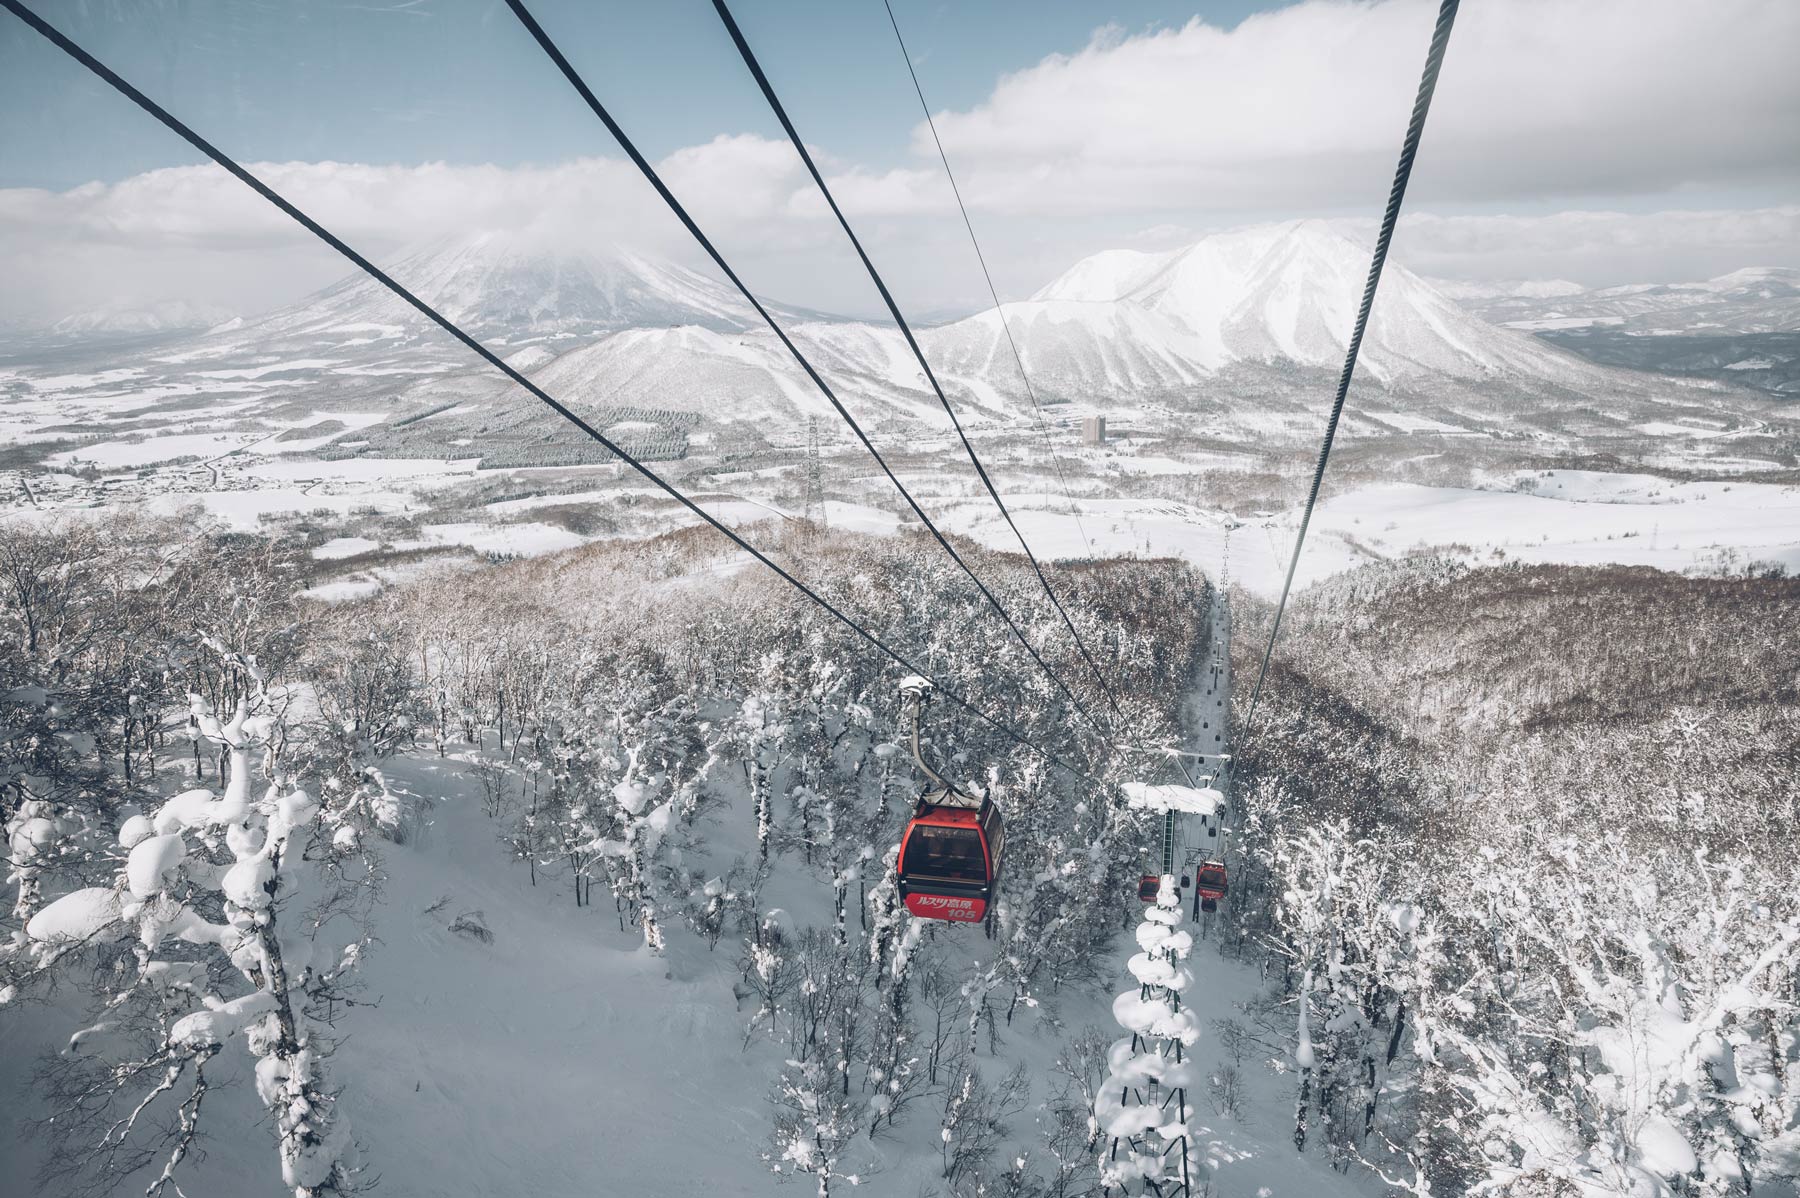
(1409, 149)
(893, 308)
(999, 309)
(550, 48)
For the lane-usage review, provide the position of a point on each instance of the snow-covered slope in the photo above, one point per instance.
(1237, 327)
(1074, 348)
(1741, 329)
(1126, 328)
(1116, 325)
(746, 376)
(1469, 292)
(1099, 278)
(1290, 292)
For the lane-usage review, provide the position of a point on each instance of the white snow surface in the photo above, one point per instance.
(344, 547)
(1753, 300)
(245, 881)
(342, 591)
(150, 862)
(77, 915)
(1572, 517)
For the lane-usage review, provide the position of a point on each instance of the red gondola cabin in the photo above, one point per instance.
(950, 858)
(1210, 884)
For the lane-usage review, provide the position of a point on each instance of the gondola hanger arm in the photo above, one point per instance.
(915, 694)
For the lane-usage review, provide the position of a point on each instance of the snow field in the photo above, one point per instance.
(120, 454)
(1574, 518)
(344, 547)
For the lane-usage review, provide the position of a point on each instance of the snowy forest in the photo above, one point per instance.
(1520, 845)
(1512, 908)
(200, 802)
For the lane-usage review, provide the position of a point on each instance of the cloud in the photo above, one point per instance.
(1133, 140)
(1601, 248)
(1302, 108)
(194, 233)
(72, 249)
(197, 227)
(203, 207)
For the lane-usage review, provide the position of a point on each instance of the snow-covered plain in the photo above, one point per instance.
(1580, 517)
(117, 454)
(1572, 517)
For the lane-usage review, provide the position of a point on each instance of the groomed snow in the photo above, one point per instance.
(341, 592)
(1413, 424)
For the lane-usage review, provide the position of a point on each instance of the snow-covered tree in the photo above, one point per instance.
(1143, 1107)
(815, 1121)
(212, 935)
(974, 1120)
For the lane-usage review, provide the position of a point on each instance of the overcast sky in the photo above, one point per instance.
(1603, 141)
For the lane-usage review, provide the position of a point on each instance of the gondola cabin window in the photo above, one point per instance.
(953, 853)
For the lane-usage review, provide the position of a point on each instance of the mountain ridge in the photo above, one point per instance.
(1290, 291)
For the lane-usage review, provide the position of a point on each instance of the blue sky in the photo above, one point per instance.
(407, 81)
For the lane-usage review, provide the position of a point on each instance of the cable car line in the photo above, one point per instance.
(175, 125)
(1409, 148)
(768, 92)
(999, 309)
(550, 48)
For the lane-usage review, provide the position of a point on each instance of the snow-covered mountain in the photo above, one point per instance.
(509, 289)
(128, 319)
(749, 376)
(1074, 349)
(1118, 328)
(1271, 293)
(1468, 291)
(1741, 328)
(1237, 329)
(1115, 327)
